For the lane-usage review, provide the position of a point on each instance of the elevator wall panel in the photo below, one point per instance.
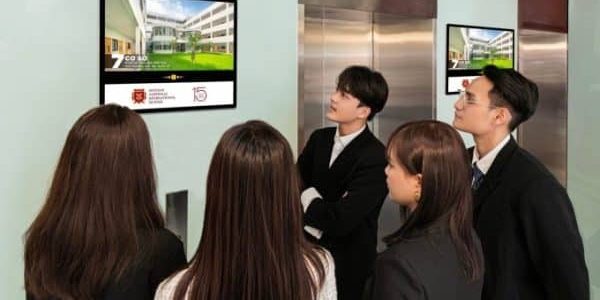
(332, 40)
(400, 47)
(404, 54)
(543, 59)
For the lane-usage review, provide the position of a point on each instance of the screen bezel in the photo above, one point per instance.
(107, 78)
(471, 72)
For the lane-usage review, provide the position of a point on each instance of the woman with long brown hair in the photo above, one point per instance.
(436, 253)
(252, 245)
(100, 233)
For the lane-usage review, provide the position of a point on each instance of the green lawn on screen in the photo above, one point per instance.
(183, 61)
(499, 62)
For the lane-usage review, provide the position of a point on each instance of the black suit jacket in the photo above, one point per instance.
(161, 254)
(528, 231)
(425, 266)
(353, 191)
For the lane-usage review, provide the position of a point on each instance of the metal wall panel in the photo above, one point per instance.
(400, 47)
(413, 8)
(543, 59)
(404, 54)
(332, 40)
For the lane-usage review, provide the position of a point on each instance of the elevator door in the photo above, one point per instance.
(333, 39)
(543, 59)
(401, 48)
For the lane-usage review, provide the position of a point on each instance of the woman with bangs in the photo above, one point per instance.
(436, 253)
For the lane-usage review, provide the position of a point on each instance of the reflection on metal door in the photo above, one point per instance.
(401, 48)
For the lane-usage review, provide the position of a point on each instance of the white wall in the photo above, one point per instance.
(487, 13)
(49, 77)
(583, 128)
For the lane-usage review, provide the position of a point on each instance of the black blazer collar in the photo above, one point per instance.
(351, 150)
(494, 175)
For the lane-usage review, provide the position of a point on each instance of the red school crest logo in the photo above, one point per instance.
(138, 96)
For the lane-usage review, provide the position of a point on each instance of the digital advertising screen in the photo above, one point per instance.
(470, 48)
(163, 55)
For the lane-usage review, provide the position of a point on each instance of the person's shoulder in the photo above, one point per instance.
(399, 255)
(531, 171)
(321, 135)
(527, 160)
(324, 257)
(324, 131)
(372, 140)
(166, 289)
(157, 237)
(372, 148)
(164, 243)
(327, 289)
(420, 245)
(167, 237)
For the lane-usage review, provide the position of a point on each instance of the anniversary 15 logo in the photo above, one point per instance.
(200, 94)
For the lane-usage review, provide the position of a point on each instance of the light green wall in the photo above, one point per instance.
(49, 77)
(583, 128)
(489, 13)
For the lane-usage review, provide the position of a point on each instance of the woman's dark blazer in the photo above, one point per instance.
(425, 266)
(161, 255)
(156, 264)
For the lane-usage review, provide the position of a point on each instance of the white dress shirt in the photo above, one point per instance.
(340, 142)
(485, 163)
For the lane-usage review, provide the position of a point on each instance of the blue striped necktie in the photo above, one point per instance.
(477, 177)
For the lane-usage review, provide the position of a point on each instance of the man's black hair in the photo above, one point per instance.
(513, 91)
(366, 85)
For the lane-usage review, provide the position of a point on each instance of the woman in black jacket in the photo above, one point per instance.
(100, 234)
(435, 254)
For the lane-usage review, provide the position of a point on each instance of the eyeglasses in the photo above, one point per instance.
(467, 99)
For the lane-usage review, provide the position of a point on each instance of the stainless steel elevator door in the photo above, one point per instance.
(543, 59)
(400, 47)
(404, 54)
(333, 39)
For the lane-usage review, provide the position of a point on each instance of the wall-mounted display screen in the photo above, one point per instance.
(470, 48)
(159, 55)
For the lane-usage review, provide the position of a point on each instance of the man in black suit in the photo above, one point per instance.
(522, 214)
(343, 174)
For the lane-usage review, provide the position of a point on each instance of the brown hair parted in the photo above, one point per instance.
(252, 245)
(436, 151)
(102, 194)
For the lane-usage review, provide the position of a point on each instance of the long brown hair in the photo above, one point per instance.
(436, 151)
(252, 244)
(102, 195)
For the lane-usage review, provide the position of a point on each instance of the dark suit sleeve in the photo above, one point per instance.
(553, 240)
(306, 161)
(169, 258)
(366, 192)
(396, 279)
